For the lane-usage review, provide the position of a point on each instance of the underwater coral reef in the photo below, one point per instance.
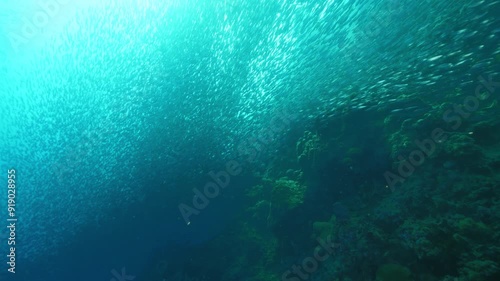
(440, 223)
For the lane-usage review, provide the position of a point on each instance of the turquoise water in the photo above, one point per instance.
(112, 113)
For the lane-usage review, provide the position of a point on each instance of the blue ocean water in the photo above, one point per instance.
(144, 133)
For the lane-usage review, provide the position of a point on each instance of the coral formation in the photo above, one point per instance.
(441, 223)
(309, 147)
